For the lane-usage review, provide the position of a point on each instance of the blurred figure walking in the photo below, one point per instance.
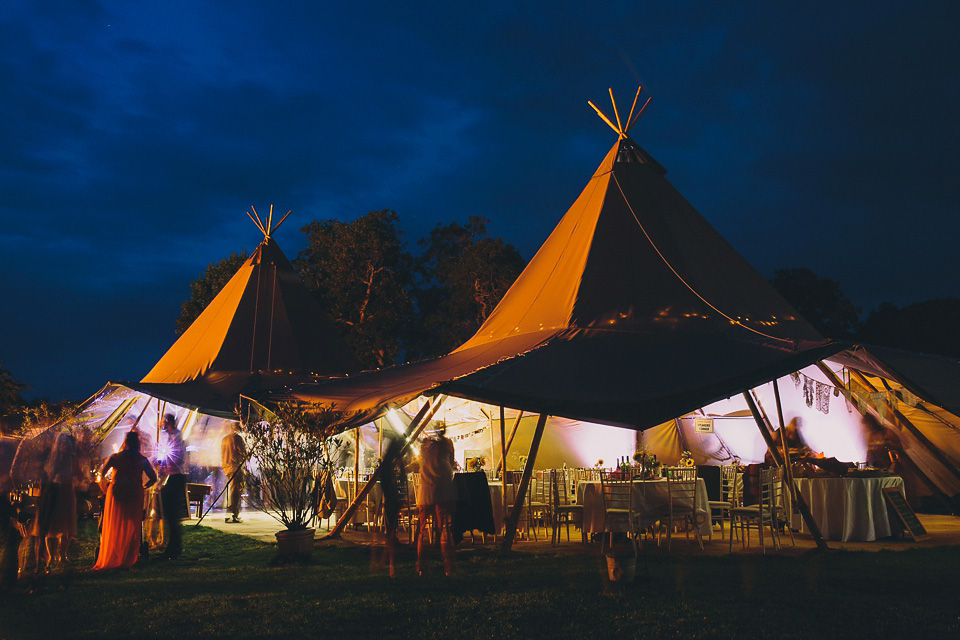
(171, 461)
(436, 496)
(233, 455)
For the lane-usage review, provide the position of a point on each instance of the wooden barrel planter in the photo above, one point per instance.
(295, 545)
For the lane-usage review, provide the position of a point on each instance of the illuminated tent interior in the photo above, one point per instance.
(263, 331)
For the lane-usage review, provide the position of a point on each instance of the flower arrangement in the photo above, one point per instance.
(598, 463)
(686, 459)
(476, 464)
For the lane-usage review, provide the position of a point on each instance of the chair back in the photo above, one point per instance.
(768, 482)
(682, 488)
(776, 487)
(561, 487)
(731, 484)
(617, 492)
(543, 487)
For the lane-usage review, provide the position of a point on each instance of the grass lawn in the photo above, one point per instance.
(225, 586)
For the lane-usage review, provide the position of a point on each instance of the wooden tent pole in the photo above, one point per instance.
(513, 432)
(765, 427)
(832, 377)
(419, 421)
(801, 504)
(511, 524)
(798, 498)
(909, 426)
(502, 466)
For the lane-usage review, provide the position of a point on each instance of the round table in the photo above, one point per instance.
(851, 509)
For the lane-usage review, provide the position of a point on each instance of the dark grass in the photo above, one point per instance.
(225, 586)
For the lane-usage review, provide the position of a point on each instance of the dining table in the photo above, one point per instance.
(651, 501)
(851, 509)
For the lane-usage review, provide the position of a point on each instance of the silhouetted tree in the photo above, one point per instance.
(465, 273)
(11, 399)
(205, 288)
(819, 300)
(363, 276)
(929, 326)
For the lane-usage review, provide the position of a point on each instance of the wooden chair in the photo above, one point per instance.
(781, 515)
(565, 512)
(541, 501)
(511, 483)
(682, 505)
(730, 485)
(760, 515)
(618, 513)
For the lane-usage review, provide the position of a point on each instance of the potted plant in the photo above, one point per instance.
(288, 450)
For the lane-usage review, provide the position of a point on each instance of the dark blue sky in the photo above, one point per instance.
(136, 134)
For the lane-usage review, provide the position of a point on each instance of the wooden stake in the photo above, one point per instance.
(637, 117)
(281, 220)
(511, 524)
(420, 421)
(256, 223)
(633, 106)
(270, 221)
(604, 117)
(262, 227)
(616, 114)
(800, 502)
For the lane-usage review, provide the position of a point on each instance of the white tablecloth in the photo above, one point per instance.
(850, 509)
(650, 500)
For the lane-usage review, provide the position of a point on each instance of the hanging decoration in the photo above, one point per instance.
(464, 436)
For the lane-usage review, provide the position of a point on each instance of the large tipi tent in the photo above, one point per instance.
(636, 313)
(634, 310)
(262, 332)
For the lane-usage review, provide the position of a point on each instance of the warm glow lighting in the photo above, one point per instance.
(393, 417)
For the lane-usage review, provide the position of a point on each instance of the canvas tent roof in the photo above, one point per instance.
(633, 311)
(263, 331)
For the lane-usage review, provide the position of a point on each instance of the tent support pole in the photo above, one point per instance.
(502, 466)
(832, 377)
(909, 426)
(801, 504)
(514, 518)
(413, 430)
(798, 498)
(513, 432)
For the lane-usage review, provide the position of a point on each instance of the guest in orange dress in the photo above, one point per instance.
(123, 510)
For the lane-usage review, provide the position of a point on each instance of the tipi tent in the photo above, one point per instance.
(262, 332)
(634, 311)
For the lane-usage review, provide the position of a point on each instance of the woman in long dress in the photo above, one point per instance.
(123, 510)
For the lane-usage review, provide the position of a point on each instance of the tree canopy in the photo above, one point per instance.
(929, 326)
(465, 273)
(205, 288)
(11, 400)
(819, 300)
(362, 274)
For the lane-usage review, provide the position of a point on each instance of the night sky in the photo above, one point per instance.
(136, 134)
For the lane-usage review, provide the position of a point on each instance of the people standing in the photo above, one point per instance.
(436, 496)
(121, 526)
(233, 455)
(171, 461)
(58, 524)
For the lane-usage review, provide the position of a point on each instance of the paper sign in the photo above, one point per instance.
(703, 425)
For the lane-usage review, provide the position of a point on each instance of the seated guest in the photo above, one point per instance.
(883, 446)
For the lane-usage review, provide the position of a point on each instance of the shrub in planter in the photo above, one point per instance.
(288, 449)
